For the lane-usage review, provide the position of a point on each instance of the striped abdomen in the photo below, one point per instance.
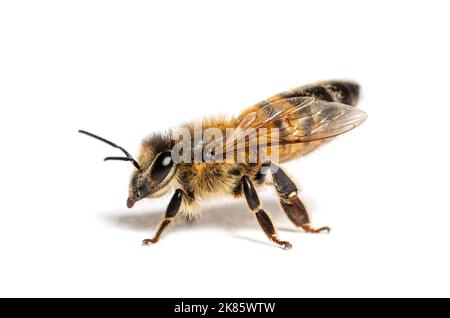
(295, 117)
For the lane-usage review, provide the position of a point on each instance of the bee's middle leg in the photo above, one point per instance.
(291, 203)
(172, 210)
(263, 218)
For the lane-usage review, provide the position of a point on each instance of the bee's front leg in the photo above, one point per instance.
(172, 210)
(290, 201)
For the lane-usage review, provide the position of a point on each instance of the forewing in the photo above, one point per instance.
(289, 120)
(319, 120)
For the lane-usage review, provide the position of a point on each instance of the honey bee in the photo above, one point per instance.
(303, 118)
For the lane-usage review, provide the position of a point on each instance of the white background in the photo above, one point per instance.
(125, 69)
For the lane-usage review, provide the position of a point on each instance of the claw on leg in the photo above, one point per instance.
(309, 229)
(283, 244)
(147, 242)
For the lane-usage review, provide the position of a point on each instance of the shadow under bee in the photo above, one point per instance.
(227, 216)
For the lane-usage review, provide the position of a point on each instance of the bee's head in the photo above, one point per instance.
(156, 170)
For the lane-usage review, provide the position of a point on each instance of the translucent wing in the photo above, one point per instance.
(287, 120)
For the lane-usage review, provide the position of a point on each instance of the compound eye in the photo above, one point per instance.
(162, 166)
(166, 161)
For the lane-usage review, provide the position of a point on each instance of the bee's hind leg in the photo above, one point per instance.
(290, 201)
(172, 210)
(263, 218)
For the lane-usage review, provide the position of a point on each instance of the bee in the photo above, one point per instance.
(303, 118)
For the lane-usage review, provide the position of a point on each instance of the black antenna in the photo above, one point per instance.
(128, 156)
